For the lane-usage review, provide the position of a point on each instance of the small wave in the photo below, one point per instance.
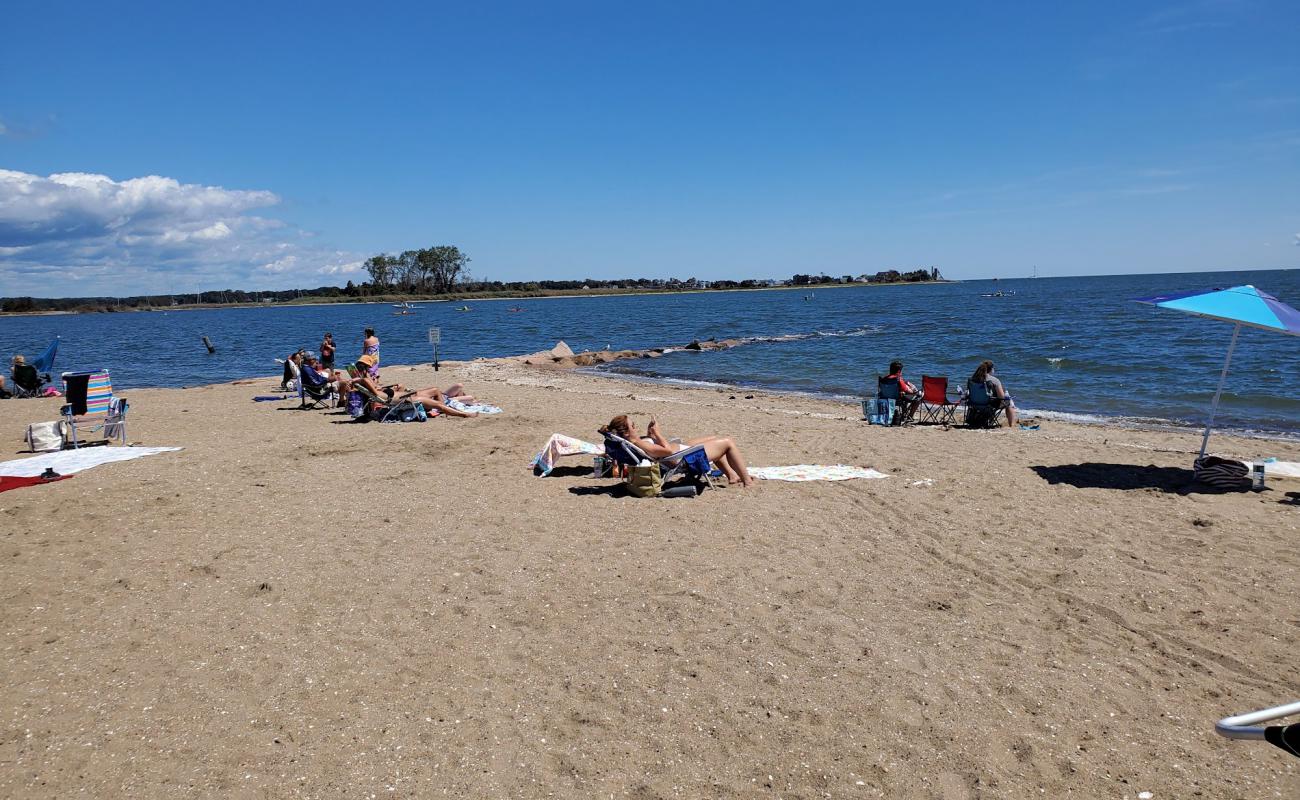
(798, 337)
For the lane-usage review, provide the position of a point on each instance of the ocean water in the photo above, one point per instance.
(1063, 346)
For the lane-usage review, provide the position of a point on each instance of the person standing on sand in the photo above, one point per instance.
(327, 349)
(370, 347)
(997, 394)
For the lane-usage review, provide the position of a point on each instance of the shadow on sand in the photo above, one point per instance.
(569, 472)
(612, 490)
(1093, 475)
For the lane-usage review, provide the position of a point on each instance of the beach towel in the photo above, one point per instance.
(560, 445)
(472, 408)
(67, 462)
(8, 482)
(267, 398)
(814, 472)
(1281, 469)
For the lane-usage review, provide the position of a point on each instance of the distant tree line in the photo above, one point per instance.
(887, 276)
(439, 270)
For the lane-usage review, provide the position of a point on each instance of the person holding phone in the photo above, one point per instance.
(720, 450)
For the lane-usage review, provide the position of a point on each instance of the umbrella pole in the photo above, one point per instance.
(1223, 376)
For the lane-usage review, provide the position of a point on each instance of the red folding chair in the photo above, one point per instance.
(936, 408)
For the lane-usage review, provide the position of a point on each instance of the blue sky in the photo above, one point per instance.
(173, 147)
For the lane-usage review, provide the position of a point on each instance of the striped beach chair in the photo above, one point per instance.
(91, 407)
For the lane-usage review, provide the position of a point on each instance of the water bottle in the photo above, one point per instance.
(1257, 477)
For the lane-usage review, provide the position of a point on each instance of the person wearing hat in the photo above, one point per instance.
(432, 398)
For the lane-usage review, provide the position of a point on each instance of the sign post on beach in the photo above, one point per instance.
(435, 336)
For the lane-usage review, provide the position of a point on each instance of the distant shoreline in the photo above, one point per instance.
(541, 294)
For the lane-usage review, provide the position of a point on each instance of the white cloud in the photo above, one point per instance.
(78, 233)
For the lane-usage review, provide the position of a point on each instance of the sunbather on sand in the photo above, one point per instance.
(455, 391)
(432, 398)
(721, 450)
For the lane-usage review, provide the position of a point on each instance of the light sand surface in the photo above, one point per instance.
(297, 605)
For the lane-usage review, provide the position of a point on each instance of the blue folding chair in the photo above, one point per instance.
(983, 410)
(692, 462)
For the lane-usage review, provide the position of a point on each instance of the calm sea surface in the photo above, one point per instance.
(1070, 346)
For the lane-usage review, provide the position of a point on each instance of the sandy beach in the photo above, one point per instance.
(299, 606)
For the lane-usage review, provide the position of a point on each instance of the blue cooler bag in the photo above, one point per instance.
(882, 412)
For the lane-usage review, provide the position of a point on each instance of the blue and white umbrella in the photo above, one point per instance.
(1241, 305)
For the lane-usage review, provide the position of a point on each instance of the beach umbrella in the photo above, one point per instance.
(46, 361)
(1240, 305)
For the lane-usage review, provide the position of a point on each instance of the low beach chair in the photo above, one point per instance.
(314, 390)
(92, 407)
(1245, 726)
(382, 409)
(936, 408)
(691, 462)
(27, 382)
(982, 409)
(889, 389)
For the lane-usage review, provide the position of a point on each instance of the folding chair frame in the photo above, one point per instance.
(670, 465)
(1242, 726)
(944, 413)
(309, 399)
(21, 391)
(113, 424)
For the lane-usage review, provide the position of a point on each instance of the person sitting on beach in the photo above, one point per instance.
(721, 450)
(432, 398)
(291, 369)
(998, 396)
(909, 396)
(314, 375)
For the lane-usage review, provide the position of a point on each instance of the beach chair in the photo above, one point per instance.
(92, 407)
(381, 409)
(27, 382)
(691, 462)
(1243, 726)
(314, 390)
(889, 389)
(982, 409)
(373, 407)
(936, 408)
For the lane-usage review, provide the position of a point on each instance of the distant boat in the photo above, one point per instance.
(998, 292)
(406, 306)
(464, 308)
(515, 309)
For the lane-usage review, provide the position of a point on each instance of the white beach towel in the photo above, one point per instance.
(472, 408)
(814, 472)
(1281, 469)
(67, 462)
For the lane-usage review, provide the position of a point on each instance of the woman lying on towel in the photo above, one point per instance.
(721, 450)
